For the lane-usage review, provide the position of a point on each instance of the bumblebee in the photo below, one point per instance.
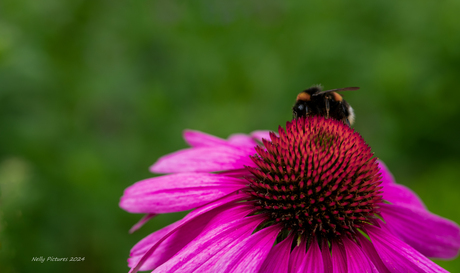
(315, 102)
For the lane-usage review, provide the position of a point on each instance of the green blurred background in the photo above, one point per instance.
(93, 92)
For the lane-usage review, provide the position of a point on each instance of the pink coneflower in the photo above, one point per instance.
(310, 199)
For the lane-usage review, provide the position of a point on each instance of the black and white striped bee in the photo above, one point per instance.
(315, 102)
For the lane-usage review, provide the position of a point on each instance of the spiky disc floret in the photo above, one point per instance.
(318, 177)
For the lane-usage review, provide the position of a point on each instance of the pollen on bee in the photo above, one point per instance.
(303, 96)
(336, 96)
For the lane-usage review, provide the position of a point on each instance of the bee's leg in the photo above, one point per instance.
(326, 100)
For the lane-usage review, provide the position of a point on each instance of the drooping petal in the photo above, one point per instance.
(177, 192)
(166, 250)
(387, 177)
(249, 254)
(397, 255)
(186, 231)
(327, 259)
(147, 242)
(357, 261)
(226, 229)
(296, 260)
(203, 159)
(169, 246)
(141, 222)
(339, 258)
(314, 260)
(399, 194)
(200, 139)
(370, 251)
(277, 260)
(430, 234)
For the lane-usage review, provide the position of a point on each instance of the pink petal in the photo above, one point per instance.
(185, 231)
(357, 261)
(204, 159)
(242, 140)
(430, 234)
(249, 254)
(314, 260)
(370, 251)
(182, 181)
(387, 177)
(327, 259)
(200, 139)
(277, 260)
(339, 258)
(395, 193)
(177, 192)
(401, 195)
(227, 229)
(397, 255)
(141, 222)
(296, 260)
(259, 135)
